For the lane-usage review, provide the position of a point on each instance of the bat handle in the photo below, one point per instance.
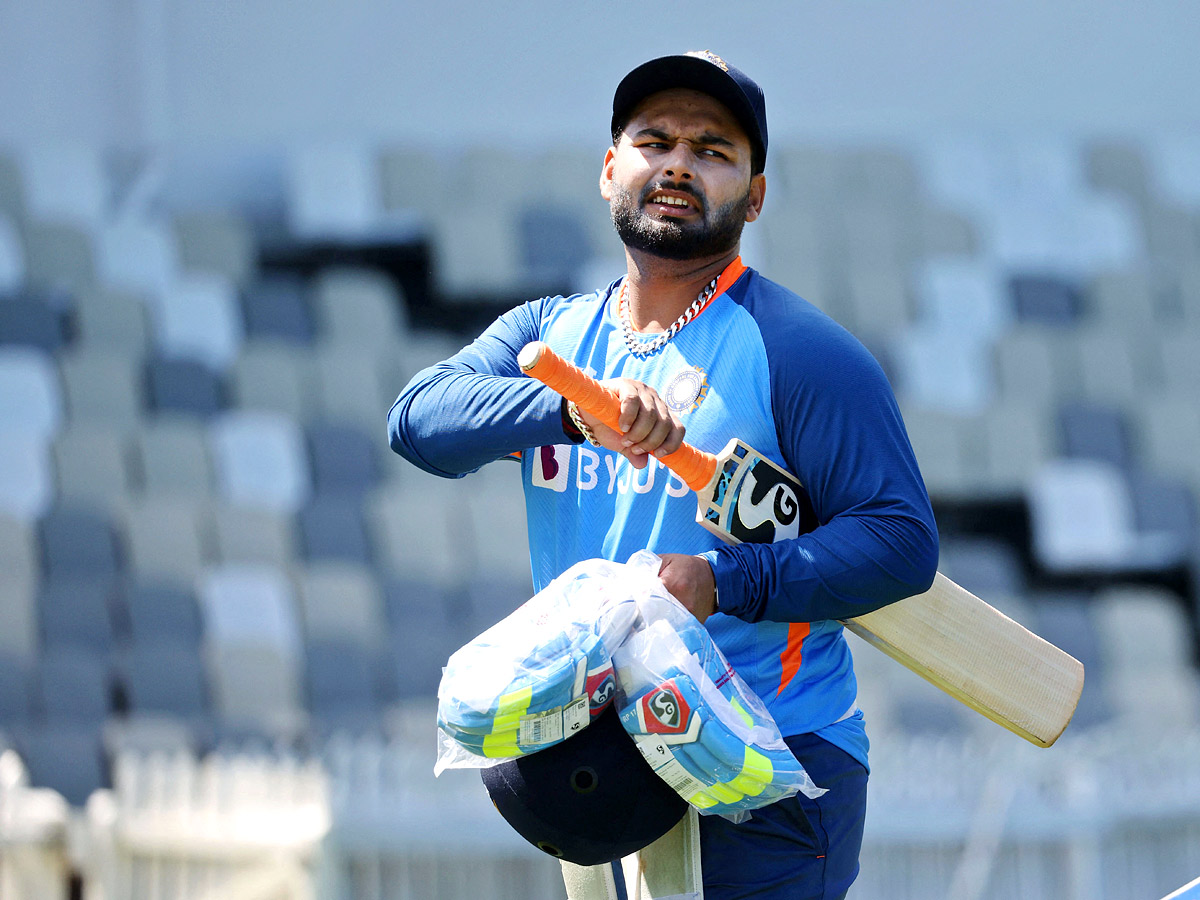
(694, 466)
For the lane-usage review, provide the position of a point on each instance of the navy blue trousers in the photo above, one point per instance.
(797, 849)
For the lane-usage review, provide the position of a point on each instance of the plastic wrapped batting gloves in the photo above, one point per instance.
(607, 632)
(540, 674)
(695, 720)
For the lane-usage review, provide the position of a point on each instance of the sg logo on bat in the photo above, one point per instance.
(755, 501)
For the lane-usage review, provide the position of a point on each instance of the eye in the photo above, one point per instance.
(715, 154)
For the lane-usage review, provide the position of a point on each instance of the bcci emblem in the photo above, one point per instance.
(711, 57)
(686, 390)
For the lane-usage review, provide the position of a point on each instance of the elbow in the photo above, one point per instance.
(398, 437)
(922, 560)
(405, 442)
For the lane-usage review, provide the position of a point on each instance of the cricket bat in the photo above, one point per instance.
(947, 635)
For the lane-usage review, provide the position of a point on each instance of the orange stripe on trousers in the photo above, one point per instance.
(793, 653)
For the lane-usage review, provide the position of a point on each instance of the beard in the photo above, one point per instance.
(716, 233)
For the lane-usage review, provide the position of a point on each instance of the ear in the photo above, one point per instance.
(758, 192)
(606, 173)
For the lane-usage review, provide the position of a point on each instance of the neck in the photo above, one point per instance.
(658, 290)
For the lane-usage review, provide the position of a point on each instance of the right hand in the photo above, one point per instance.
(648, 427)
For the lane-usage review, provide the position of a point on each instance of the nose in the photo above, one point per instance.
(678, 163)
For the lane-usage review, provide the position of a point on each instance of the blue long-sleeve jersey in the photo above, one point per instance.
(760, 364)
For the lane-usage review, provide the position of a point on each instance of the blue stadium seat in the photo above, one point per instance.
(1163, 504)
(71, 687)
(1046, 299)
(32, 323)
(985, 566)
(419, 656)
(1095, 431)
(277, 307)
(340, 683)
(183, 386)
(12, 188)
(929, 714)
(77, 613)
(68, 758)
(427, 623)
(164, 677)
(14, 692)
(332, 527)
(437, 606)
(344, 458)
(554, 245)
(1065, 619)
(78, 543)
(163, 611)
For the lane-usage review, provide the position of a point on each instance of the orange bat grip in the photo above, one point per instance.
(694, 466)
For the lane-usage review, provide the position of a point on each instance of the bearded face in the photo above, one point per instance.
(715, 232)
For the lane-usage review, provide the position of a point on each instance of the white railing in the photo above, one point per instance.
(33, 829)
(1101, 816)
(402, 834)
(228, 827)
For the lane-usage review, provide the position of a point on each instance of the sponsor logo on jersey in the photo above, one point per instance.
(551, 467)
(588, 469)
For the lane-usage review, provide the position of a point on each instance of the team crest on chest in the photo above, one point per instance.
(687, 390)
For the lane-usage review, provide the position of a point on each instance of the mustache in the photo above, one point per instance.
(679, 187)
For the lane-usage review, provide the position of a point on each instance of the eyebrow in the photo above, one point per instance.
(707, 138)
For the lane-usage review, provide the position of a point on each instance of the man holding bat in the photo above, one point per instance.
(692, 341)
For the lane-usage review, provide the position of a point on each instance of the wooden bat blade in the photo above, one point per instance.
(981, 657)
(946, 635)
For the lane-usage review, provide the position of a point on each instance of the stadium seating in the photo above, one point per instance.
(207, 543)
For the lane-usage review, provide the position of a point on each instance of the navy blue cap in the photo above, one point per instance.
(703, 71)
(589, 799)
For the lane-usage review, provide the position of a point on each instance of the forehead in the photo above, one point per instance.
(684, 108)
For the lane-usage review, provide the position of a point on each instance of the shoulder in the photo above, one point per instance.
(534, 318)
(801, 341)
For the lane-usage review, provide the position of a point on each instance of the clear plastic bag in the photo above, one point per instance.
(693, 717)
(537, 676)
(604, 632)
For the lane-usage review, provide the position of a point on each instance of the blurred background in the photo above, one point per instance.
(230, 233)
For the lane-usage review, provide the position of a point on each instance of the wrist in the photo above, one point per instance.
(568, 424)
(580, 425)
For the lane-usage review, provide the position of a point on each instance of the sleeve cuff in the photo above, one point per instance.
(728, 579)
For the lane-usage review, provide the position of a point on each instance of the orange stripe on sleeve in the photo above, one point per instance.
(793, 653)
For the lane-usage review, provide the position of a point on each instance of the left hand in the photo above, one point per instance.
(690, 580)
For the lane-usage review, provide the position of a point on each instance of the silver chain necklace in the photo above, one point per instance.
(641, 348)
